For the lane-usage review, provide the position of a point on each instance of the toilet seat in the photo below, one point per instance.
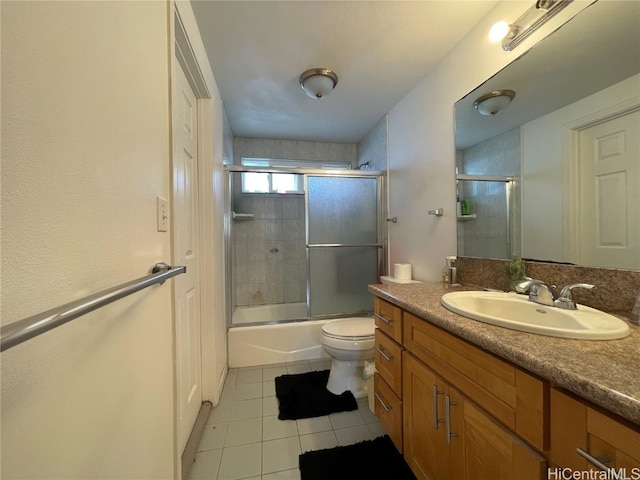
(350, 329)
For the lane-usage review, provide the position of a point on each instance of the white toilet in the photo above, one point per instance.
(349, 342)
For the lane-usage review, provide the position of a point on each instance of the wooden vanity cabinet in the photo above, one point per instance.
(458, 412)
(515, 398)
(388, 378)
(433, 440)
(578, 427)
(447, 436)
(453, 410)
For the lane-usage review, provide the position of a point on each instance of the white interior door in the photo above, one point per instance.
(609, 193)
(186, 288)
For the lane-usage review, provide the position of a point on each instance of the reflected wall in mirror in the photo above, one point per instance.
(570, 137)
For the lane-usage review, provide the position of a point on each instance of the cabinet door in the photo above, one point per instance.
(493, 453)
(582, 436)
(388, 358)
(423, 418)
(388, 319)
(388, 409)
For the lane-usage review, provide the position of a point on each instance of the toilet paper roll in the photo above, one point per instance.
(402, 271)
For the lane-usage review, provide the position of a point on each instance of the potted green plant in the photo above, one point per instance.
(515, 271)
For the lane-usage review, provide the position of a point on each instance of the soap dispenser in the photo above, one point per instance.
(452, 270)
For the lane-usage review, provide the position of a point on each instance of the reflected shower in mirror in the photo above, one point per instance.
(569, 138)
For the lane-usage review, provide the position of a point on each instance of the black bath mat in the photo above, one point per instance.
(371, 459)
(305, 395)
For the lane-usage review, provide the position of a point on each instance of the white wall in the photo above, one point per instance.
(85, 151)
(421, 142)
(546, 149)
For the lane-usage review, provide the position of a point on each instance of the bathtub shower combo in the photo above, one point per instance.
(303, 245)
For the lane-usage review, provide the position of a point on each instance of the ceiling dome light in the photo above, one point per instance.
(318, 82)
(493, 102)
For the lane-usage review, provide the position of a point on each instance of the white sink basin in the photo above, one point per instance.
(516, 312)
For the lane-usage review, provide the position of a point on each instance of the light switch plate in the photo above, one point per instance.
(163, 215)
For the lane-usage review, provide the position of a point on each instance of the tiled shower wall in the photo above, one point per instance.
(484, 236)
(269, 256)
(270, 263)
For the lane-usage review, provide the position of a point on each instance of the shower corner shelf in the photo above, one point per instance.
(464, 218)
(242, 216)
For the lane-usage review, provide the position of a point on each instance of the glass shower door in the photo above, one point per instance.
(342, 244)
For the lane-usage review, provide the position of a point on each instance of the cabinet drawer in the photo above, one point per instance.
(514, 397)
(388, 359)
(388, 319)
(388, 409)
(494, 453)
(576, 425)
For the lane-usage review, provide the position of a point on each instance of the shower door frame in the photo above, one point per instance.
(306, 172)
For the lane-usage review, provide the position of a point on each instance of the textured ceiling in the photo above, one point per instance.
(379, 50)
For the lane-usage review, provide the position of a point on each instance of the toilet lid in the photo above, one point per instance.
(350, 328)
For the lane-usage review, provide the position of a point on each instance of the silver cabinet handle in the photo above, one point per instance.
(436, 420)
(379, 398)
(448, 404)
(381, 318)
(381, 352)
(598, 463)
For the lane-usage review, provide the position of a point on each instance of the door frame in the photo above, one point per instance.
(187, 52)
(570, 165)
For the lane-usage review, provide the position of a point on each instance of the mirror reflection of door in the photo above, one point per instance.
(609, 193)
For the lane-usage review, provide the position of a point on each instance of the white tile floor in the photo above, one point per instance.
(244, 439)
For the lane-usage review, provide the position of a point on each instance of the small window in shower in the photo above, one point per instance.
(271, 182)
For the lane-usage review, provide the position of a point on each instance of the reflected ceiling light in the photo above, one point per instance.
(318, 82)
(500, 31)
(493, 102)
(514, 34)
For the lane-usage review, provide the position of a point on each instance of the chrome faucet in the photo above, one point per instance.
(565, 299)
(540, 292)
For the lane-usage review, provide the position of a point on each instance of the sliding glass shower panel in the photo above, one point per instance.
(486, 231)
(342, 244)
(340, 278)
(342, 210)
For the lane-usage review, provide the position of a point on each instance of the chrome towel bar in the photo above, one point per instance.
(17, 332)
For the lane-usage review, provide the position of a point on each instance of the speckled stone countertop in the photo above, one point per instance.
(606, 373)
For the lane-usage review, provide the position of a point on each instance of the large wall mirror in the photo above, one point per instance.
(555, 175)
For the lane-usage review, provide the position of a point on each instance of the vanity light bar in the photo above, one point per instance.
(531, 20)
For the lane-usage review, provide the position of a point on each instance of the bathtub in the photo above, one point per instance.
(269, 313)
(275, 343)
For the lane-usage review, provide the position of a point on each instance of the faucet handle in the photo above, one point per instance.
(565, 299)
(542, 293)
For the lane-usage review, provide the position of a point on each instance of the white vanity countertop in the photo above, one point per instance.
(606, 372)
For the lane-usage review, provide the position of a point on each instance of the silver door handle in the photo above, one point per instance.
(436, 420)
(382, 319)
(448, 404)
(591, 459)
(381, 352)
(379, 398)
